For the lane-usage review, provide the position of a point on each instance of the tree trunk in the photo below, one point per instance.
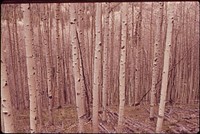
(82, 61)
(76, 69)
(97, 62)
(122, 67)
(156, 58)
(137, 51)
(13, 79)
(165, 69)
(18, 59)
(105, 53)
(58, 58)
(38, 32)
(2, 121)
(31, 69)
(6, 106)
(49, 72)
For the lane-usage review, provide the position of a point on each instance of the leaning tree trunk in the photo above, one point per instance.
(76, 69)
(122, 67)
(168, 44)
(97, 61)
(7, 111)
(31, 69)
(156, 58)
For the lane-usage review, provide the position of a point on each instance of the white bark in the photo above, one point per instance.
(97, 61)
(165, 68)
(49, 73)
(7, 111)
(76, 70)
(2, 122)
(31, 69)
(156, 57)
(122, 67)
(105, 53)
(137, 31)
(80, 29)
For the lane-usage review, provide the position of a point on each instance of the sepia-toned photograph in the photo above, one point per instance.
(100, 67)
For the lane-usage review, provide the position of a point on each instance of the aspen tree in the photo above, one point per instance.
(111, 33)
(164, 29)
(2, 122)
(82, 60)
(181, 47)
(105, 62)
(87, 51)
(184, 47)
(58, 56)
(91, 41)
(73, 96)
(49, 72)
(122, 67)
(17, 59)
(129, 55)
(60, 48)
(31, 69)
(96, 74)
(7, 111)
(19, 54)
(165, 72)
(3, 24)
(156, 58)
(63, 48)
(137, 49)
(140, 50)
(75, 67)
(133, 62)
(192, 77)
(37, 34)
(52, 24)
(52, 55)
(23, 64)
(86, 66)
(69, 68)
(12, 70)
(116, 55)
(150, 49)
(14, 59)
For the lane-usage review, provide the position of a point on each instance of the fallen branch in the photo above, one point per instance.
(102, 126)
(140, 125)
(181, 127)
(129, 128)
(133, 124)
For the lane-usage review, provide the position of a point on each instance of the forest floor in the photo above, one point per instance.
(178, 119)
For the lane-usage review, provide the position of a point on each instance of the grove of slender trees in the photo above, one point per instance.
(97, 55)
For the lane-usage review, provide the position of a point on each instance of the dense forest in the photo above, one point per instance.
(100, 67)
